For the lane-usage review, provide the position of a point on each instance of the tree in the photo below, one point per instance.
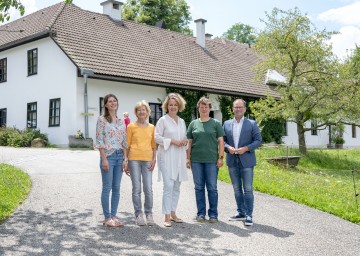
(5, 6)
(241, 33)
(175, 13)
(350, 73)
(316, 85)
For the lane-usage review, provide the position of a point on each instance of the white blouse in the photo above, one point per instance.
(171, 158)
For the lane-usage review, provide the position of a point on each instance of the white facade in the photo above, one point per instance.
(321, 140)
(57, 77)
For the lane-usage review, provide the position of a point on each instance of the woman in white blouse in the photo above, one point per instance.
(170, 134)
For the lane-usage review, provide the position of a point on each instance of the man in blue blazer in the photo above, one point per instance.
(242, 137)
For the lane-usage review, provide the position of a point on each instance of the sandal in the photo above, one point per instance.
(177, 220)
(110, 223)
(117, 221)
(167, 224)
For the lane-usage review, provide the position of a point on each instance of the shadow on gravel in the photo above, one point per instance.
(74, 233)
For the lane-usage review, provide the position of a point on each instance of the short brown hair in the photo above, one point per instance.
(179, 100)
(205, 101)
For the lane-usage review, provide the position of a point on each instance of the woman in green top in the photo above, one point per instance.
(205, 156)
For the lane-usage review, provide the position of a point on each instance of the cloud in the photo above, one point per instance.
(30, 7)
(345, 41)
(346, 15)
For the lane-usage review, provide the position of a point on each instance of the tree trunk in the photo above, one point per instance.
(301, 137)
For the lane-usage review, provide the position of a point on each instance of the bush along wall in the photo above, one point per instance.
(272, 130)
(20, 138)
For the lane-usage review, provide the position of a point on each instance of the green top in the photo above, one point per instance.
(204, 136)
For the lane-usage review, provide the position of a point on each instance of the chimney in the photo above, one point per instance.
(200, 32)
(208, 36)
(112, 8)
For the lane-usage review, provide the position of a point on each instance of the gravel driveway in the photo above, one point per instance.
(62, 216)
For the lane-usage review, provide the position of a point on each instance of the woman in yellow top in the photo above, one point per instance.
(142, 159)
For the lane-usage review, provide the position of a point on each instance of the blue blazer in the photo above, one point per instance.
(249, 136)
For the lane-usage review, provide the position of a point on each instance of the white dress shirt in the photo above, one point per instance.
(237, 126)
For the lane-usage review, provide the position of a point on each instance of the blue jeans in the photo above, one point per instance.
(111, 181)
(242, 181)
(206, 174)
(138, 170)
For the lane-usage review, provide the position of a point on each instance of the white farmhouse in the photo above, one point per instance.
(58, 63)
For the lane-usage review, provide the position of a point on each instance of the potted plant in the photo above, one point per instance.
(79, 141)
(337, 132)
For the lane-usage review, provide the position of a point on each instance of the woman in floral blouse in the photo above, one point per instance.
(111, 142)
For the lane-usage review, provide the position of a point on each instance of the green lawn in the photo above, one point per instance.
(323, 179)
(14, 187)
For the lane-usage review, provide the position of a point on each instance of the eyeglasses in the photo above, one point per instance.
(238, 107)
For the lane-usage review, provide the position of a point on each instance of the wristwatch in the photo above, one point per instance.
(221, 157)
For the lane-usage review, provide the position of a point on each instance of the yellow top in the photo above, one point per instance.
(141, 142)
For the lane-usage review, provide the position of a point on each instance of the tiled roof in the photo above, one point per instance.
(126, 49)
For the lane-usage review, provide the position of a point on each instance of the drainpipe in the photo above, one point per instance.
(86, 73)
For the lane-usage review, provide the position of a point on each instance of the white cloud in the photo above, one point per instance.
(30, 7)
(346, 15)
(345, 40)
(349, 34)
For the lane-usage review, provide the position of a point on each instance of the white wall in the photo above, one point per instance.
(127, 94)
(349, 140)
(322, 139)
(55, 78)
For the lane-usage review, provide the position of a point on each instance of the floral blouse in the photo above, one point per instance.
(110, 136)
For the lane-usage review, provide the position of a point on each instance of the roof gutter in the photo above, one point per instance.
(177, 86)
(26, 40)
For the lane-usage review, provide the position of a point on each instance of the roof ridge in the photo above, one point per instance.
(61, 8)
(155, 27)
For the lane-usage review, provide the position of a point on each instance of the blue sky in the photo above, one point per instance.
(338, 15)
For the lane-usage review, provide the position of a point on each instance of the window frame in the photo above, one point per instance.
(353, 130)
(3, 67)
(154, 113)
(101, 105)
(30, 119)
(32, 62)
(3, 117)
(285, 128)
(314, 132)
(54, 115)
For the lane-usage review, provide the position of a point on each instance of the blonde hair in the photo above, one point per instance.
(179, 100)
(126, 114)
(205, 101)
(140, 104)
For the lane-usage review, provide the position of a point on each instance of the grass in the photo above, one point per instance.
(323, 179)
(14, 187)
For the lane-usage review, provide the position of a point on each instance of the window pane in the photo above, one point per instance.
(3, 67)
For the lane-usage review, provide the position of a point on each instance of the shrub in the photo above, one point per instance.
(272, 130)
(20, 138)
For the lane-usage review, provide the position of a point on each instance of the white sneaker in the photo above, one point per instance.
(150, 220)
(140, 220)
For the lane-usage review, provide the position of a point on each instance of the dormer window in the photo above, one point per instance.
(3, 70)
(32, 62)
